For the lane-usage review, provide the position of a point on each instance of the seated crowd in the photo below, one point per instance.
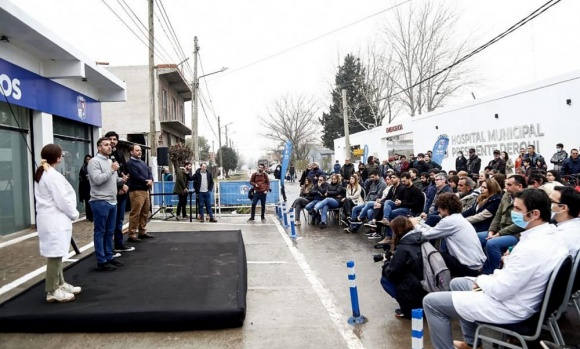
(501, 232)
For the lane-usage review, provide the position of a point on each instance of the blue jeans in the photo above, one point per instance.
(262, 198)
(324, 205)
(494, 248)
(363, 210)
(389, 205)
(311, 205)
(389, 287)
(104, 215)
(205, 201)
(121, 204)
(394, 214)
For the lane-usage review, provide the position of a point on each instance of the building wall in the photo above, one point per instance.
(535, 114)
(131, 116)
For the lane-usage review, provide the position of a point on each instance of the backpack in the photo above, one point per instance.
(436, 275)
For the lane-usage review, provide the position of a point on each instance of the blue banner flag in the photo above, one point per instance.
(365, 153)
(439, 149)
(285, 160)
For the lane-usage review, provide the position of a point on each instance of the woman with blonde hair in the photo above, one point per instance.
(56, 207)
(481, 214)
(353, 197)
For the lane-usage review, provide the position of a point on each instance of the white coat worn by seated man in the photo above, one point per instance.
(509, 295)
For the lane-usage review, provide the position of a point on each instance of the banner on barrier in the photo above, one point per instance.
(285, 161)
(169, 199)
(236, 193)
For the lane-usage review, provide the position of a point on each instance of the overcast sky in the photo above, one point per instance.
(236, 34)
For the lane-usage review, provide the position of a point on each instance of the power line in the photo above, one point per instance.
(510, 30)
(157, 54)
(314, 39)
(209, 123)
(143, 31)
(206, 87)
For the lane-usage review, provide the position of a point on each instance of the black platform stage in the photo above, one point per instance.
(175, 282)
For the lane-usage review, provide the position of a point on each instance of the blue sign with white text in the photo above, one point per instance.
(439, 149)
(236, 193)
(24, 88)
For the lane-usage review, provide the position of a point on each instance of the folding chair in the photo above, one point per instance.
(530, 329)
(573, 286)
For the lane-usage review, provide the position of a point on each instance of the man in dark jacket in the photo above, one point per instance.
(473, 163)
(571, 165)
(182, 177)
(497, 163)
(140, 182)
(347, 171)
(203, 186)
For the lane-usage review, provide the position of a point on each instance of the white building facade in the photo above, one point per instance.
(542, 114)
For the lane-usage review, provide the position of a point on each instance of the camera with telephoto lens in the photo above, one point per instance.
(378, 257)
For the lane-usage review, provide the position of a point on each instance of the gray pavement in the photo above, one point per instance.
(298, 293)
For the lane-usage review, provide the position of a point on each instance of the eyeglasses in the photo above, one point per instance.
(555, 202)
(439, 179)
(482, 187)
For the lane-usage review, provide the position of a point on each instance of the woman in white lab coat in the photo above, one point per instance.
(56, 209)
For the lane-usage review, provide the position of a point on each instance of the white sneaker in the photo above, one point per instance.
(59, 296)
(117, 255)
(70, 288)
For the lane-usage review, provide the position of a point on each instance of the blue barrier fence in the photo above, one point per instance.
(169, 198)
(235, 193)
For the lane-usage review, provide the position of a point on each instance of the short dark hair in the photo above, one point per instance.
(453, 179)
(187, 163)
(420, 155)
(374, 173)
(560, 145)
(531, 145)
(414, 170)
(405, 175)
(570, 198)
(536, 199)
(111, 134)
(101, 140)
(556, 174)
(472, 150)
(449, 202)
(519, 179)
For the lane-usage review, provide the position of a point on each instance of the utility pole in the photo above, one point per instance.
(220, 147)
(152, 125)
(345, 119)
(227, 143)
(194, 86)
(213, 152)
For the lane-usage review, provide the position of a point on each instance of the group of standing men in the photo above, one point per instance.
(112, 180)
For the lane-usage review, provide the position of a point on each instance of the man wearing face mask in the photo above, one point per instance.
(511, 294)
(565, 210)
(559, 156)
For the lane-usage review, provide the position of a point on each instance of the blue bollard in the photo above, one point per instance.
(292, 225)
(285, 213)
(417, 329)
(279, 210)
(356, 317)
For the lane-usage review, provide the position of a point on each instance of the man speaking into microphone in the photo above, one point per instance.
(122, 193)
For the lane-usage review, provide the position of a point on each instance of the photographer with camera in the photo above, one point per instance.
(403, 269)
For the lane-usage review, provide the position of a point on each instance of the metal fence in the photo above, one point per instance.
(233, 194)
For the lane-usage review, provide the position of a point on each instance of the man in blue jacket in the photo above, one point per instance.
(140, 182)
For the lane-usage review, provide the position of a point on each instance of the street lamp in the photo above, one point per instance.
(194, 88)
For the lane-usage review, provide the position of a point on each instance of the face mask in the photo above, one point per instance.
(558, 149)
(518, 219)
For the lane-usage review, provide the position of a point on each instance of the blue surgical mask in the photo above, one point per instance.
(518, 219)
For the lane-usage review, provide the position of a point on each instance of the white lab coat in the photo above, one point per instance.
(56, 203)
(569, 233)
(514, 293)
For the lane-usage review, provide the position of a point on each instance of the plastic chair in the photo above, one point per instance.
(573, 286)
(530, 329)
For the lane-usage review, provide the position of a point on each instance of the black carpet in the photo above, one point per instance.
(178, 281)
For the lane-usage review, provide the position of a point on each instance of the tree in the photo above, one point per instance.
(362, 115)
(203, 147)
(230, 159)
(380, 90)
(180, 153)
(423, 43)
(292, 118)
